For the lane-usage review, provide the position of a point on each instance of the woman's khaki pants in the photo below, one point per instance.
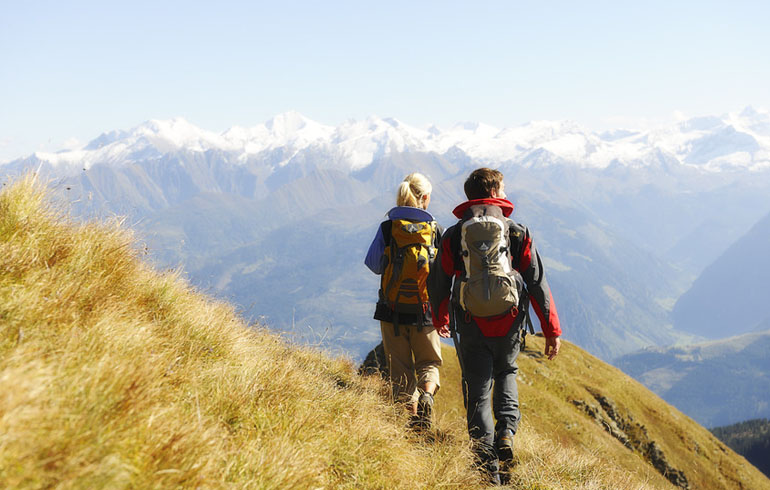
(414, 357)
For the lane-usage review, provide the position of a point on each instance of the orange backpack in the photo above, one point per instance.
(410, 254)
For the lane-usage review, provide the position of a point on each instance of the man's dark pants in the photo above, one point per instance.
(487, 360)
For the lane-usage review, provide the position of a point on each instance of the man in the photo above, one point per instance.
(489, 343)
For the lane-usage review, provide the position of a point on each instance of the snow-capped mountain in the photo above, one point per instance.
(272, 217)
(736, 140)
(291, 130)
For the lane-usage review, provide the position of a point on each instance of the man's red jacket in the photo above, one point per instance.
(524, 258)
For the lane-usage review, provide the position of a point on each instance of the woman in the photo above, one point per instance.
(404, 246)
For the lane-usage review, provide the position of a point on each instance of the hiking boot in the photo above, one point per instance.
(492, 478)
(504, 445)
(425, 410)
(490, 472)
(414, 423)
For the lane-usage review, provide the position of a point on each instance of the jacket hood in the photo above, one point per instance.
(410, 213)
(504, 204)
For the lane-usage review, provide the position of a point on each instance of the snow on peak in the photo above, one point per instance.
(736, 140)
(176, 133)
(288, 122)
(105, 139)
(358, 143)
(751, 120)
(290, 129)
(749, 112)
(150, 139)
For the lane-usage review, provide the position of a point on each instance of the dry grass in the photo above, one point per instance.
(544, 458)
(115, 376)
(560, 447)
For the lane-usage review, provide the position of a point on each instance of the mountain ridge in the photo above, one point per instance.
(745, 267)
(734, 140)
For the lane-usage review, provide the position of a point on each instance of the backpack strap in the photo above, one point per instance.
(434, 241)
(526, 323)
(396, 331)
(397, 262)
(386, 226)
(515, 254)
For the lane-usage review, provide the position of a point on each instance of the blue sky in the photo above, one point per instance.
(75, 69)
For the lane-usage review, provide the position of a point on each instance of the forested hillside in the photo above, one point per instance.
(750, 439)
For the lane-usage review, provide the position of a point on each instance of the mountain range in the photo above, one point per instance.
(278, 217)
(733, 141)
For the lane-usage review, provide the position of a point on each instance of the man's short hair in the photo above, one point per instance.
(481, 182)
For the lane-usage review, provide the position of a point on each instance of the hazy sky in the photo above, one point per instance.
(70, 70)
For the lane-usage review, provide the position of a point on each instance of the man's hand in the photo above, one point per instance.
(552, 345)
(443, 331)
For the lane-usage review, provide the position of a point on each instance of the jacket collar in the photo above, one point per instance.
(410, 213)
(504, 204)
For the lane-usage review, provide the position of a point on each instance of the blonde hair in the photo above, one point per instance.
(412, 189)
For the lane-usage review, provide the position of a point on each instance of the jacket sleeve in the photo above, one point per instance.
(375, 256)
(440, 280)
(533, 272)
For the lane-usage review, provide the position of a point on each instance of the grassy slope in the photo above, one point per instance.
(560, 446)
(115, 376)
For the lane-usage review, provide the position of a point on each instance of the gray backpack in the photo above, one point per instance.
(491, 287)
